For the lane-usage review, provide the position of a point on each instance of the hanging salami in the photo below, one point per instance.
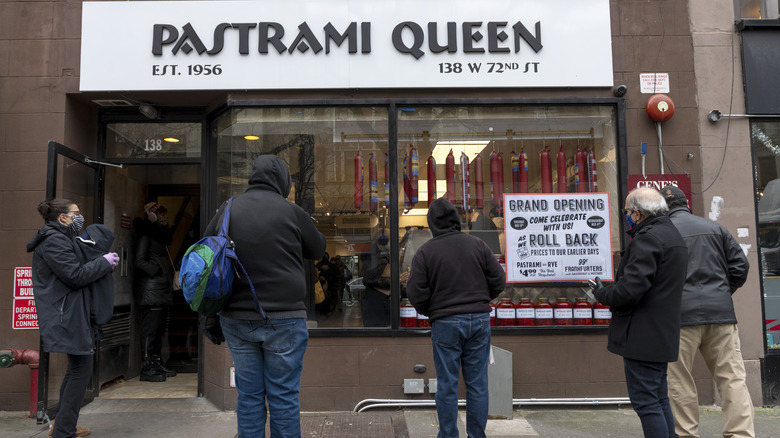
(358, 192)
(414, 176)
(407, 183)
(580, 171)
(561, 162)
(464, 180)
(431, 164)
(387, 181)
(373, 188)
(523, 172)
(594, 186)
(494, 172)
(450, 173)
(500, 181)
(479, 182)
(546, 170)
(515, 162)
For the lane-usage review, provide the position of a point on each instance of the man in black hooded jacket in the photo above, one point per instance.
(273, 236)
(453, 278)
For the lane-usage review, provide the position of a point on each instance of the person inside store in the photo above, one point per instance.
(498, 221)
(453, 278)
(268, 353)
(709, 324)
(331, 276)
(62, 277)
(375, 302)
(154, 288)
(645, 303)
(484, 228)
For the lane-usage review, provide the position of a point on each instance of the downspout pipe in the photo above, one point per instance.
(372, 403)
(10, 357)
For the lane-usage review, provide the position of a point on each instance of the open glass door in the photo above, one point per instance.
(70, 175)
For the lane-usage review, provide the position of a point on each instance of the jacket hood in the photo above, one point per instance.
(101, 235)
(48, 229)
(443, 217)
(271, 173)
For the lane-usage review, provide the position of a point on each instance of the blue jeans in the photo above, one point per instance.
(646, 382)
(268, 359)
(462, 341)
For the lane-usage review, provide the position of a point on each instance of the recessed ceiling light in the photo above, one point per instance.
(251, 137)
(171, 140)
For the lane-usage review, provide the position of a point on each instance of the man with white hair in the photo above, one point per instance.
(645, 304)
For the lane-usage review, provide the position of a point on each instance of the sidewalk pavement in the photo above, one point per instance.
(196, 417)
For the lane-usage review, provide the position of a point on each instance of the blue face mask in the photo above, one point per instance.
(630, 221)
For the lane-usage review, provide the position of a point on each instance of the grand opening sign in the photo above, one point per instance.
(311, 44)
(557, 237)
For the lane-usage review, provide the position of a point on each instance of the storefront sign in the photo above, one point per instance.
(681, 181)
(557, 237)
(24, 314)
(306, 44)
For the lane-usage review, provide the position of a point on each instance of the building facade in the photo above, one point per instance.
(377, 110)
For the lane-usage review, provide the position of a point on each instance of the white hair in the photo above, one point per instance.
(647, 201)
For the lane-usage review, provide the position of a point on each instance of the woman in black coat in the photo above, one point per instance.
(62, 277)
(154, 274)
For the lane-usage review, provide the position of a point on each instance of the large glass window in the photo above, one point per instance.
(337, 159)
(153, 140)
(488, 151)
(766, 156)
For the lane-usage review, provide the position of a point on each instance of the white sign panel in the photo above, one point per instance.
(556, 237)
(654, 83)
(308, 44)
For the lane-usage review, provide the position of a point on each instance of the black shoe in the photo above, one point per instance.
(150, 374)
(158, 367)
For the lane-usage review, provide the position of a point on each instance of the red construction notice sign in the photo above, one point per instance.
(25, 316)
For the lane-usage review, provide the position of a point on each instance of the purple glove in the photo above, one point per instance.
(112, 258)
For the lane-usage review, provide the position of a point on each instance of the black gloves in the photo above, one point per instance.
(595, 284)
(213, 330)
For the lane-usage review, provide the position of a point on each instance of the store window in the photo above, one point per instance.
(766, 156)
(757, 9)
(337, 159)
(487, 151)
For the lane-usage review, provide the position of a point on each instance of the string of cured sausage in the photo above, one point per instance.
(373, 188)
(497, 179)
(594, 186)
(561, 162)
(580, 171)
(546, 171)
(479, 182)
(464, 181)
(387, 181)
(407, 183)
(449, 165)
(358, 189)
(414, 176)
(431, 164)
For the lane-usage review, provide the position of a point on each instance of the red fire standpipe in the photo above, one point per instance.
(11, 357)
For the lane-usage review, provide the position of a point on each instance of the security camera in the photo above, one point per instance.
(620, 90)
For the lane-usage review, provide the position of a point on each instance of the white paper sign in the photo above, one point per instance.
(314, 44)
(554, 237)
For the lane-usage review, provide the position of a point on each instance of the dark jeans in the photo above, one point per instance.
(646, 382)
(461, 343)
(152, 329)
(72, 390)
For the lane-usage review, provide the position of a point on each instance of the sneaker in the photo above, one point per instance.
(80, 431)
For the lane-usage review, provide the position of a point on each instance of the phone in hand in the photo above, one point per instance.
(592, 283)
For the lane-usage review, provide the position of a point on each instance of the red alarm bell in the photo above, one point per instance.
(660, 107)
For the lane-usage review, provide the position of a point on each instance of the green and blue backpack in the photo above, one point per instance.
(209, 268)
